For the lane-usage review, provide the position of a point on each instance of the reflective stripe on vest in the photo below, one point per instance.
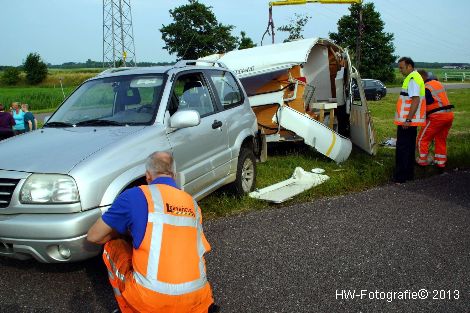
(404, 102)
(116, 272)
(441, 101)
(158, 218)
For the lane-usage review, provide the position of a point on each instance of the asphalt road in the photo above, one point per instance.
(405, 239)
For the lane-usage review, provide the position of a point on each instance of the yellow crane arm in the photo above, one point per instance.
(295, 2)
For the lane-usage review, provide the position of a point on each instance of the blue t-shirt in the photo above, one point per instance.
(129, 212)
(28, 116)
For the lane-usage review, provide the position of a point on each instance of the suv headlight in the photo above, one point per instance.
(49, 188)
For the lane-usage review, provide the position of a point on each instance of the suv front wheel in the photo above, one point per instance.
(246, 173)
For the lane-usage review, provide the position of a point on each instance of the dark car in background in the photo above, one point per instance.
(374, 89)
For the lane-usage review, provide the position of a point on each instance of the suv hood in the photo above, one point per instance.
(57, 150)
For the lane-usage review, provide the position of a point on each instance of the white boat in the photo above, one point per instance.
(302, 90)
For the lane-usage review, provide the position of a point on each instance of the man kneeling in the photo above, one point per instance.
(163, 270)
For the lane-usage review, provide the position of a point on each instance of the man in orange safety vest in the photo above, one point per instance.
(163, 269)
(410, 113)
(439, 118)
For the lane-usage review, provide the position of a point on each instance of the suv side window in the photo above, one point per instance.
(227, 88)
(190, 92)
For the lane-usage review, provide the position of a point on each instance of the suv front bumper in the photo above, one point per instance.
(49, 238)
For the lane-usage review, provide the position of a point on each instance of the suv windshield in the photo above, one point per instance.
(111, 101)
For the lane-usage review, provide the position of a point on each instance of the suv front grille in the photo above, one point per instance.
(7, 186)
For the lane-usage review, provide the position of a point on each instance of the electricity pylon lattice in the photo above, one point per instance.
(118, 34)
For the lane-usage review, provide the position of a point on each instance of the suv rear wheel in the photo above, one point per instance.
(246, 173)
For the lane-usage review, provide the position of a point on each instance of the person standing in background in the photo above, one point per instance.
(410, 113)
(30, 122)
(6, 123)
(18, 116)
(439, 118)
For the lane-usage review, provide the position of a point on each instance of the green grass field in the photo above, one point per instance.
(70, 78)
(438, 72)
(39, 98)
(47, 95)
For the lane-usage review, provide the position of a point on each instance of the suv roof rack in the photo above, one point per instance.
(182, 63)
(115, 70)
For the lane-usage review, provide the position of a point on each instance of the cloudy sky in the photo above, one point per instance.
(71, 30)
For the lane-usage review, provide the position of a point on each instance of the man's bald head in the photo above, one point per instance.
(159, 163)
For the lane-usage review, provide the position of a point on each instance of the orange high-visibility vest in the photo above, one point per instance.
(169, 261)
(441, 101)
(404, 102)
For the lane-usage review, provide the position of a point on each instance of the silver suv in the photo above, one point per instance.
(55, 182)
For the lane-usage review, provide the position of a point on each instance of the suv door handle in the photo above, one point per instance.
(216, 124)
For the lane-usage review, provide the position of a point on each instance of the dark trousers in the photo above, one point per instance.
(405, 154)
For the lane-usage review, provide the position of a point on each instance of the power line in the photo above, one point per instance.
(118, 34)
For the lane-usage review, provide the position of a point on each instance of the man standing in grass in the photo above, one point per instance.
(439, 118)
(30, 122)
(410, 113)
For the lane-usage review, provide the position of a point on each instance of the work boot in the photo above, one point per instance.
(213, 308)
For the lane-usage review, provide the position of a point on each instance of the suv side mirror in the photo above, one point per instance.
(185, 118)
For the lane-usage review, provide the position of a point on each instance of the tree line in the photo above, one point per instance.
(99, 64)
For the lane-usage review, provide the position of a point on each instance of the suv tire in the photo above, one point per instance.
(246, 173)
(377, 96)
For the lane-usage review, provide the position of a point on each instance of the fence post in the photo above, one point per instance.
(463, 77)
(445, 76)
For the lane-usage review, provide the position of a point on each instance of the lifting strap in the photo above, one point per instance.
(270, 26)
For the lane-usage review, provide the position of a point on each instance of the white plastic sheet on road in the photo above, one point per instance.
(300, 181)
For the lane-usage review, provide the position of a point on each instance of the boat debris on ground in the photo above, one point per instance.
(300, 181)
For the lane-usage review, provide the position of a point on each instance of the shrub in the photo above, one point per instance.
(35, 68)
(11, 76)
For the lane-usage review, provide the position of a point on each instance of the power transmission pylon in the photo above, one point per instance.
(118, 34)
